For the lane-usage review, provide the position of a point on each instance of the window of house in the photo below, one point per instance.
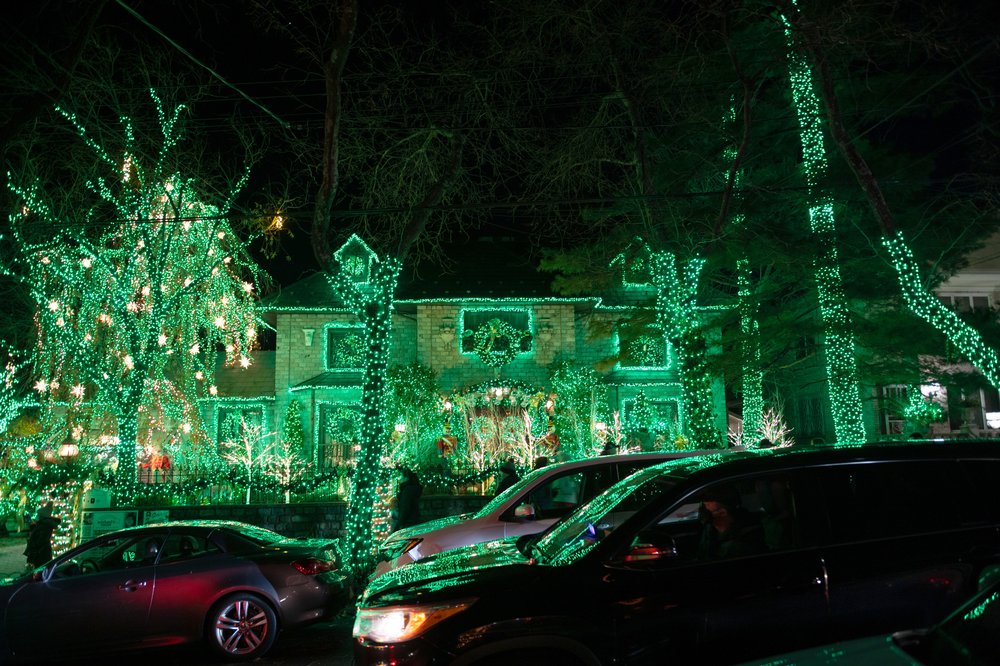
(238, 424)
(339, 434)
(647, 349)
(807, 413)
(655, 415)
(345, 348)
(893, 399)
(478, 321)
(966, 302)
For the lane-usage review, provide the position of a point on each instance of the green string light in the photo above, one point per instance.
(927, 306)
(677, 316)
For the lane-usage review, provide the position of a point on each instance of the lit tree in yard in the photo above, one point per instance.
(804, 33)
(139, 293)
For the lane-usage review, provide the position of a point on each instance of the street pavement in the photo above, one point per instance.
(321, 644)
(12, 554)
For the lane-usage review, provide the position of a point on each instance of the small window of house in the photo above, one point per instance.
(238, 424)
(647, 349)
(345, 348)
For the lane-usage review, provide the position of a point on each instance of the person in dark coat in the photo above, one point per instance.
(39, 548)
(509, 477)
(408, 500)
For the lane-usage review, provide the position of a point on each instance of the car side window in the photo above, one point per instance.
(885, 499)
(561, 493)
(983, 475)
(180, 546)
(112, 555)
(745, 517)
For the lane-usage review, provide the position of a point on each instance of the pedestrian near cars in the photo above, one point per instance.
(39, 548)
(408, 500)
(510, 476)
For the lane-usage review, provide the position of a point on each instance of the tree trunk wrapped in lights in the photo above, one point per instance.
(371, 301)
(920, 300)
(678, 318)
(841, 360)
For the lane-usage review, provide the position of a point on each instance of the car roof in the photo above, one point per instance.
(199, 524)
(624, 457)
(736, 463)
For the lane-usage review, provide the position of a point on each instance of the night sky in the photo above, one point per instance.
(280, 94)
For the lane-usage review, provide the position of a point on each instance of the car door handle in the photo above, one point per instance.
(132, 585)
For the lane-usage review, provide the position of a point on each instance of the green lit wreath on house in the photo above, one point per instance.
(496, 342)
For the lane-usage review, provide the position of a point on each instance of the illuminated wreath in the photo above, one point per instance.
(496, 342)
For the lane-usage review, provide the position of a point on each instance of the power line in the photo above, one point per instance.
(208, 69)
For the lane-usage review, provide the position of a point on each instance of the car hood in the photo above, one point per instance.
(441, 573)
(429, 526)
(873, 651)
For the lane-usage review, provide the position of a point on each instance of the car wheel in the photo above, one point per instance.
(241, 627)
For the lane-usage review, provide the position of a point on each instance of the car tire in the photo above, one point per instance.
(241, 627)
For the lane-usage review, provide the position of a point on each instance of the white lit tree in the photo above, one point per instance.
(139, 292)
(248, 452)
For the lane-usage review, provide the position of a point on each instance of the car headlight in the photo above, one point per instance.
(390, 550)
(396, 624)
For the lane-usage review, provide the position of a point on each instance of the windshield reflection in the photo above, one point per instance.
(583, 529)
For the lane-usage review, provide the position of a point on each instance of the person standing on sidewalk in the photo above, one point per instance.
(39, 548)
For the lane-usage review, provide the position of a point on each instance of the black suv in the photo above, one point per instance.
(711, 559)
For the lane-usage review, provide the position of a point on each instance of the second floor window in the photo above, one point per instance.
(646, 350)
(514, 323)
(345, 348)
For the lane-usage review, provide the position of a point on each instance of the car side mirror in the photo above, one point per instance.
(525, 512)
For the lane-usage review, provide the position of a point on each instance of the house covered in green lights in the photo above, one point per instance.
(488, 406)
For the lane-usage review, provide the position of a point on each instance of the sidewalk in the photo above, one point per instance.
(12, 554)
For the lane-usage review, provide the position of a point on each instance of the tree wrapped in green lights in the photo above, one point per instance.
(140, 294)
(368, 289)
(10, 400)
(841, 361)
(918, 298)
(677, 316)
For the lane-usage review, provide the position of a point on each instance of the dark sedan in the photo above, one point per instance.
(230, 584)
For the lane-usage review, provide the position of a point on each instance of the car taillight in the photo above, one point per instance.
(312, 566)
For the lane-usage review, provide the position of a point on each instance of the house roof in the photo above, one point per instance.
(329, 380)
(312, 292)
(486, 268)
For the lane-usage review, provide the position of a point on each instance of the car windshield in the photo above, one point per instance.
(970, 636)
(580, 531)
(513, 491)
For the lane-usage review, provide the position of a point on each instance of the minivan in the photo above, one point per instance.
(840, 543)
